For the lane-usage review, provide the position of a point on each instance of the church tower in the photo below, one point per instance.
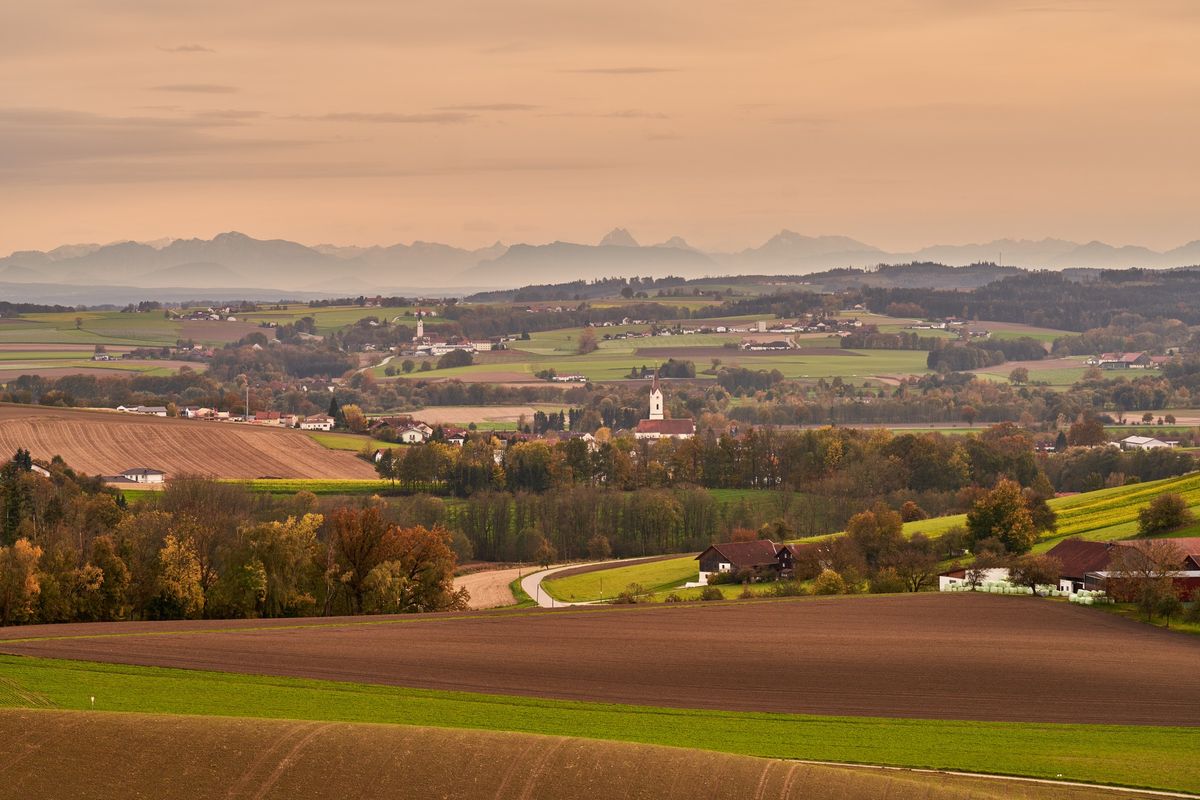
(420, 326)
(656, 399)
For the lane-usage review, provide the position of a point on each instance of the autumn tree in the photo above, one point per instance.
(1144, 572)
(19, 585)
(587, 342)
(1165, 513)
(1034, 571)
(877, 533)
(1003, 514)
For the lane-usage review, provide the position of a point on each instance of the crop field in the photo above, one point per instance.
(855, 656)
(935, 653)
(259, 758)
(352, 442)
(104, 443)
(1104, 515)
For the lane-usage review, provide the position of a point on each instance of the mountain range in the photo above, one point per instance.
(235, 262)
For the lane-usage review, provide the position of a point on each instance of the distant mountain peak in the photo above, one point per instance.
(618, 237)
(677, 242)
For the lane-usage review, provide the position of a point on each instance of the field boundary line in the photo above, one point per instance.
(998, 777)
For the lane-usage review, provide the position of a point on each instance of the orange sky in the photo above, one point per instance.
(466, 121)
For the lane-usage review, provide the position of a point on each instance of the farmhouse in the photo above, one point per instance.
(1144, 443)
(317, 422)
(1085, 565)
(657, 427)
(1140, 360)
(411, 434)
(143, 475)
(154, 411)
(737, 556)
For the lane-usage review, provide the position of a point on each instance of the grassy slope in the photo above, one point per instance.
(1104, 515)
(1134, 756)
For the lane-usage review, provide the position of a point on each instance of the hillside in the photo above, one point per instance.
(104, 443)
(103, 756)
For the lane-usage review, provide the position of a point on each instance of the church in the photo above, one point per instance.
(657, 426)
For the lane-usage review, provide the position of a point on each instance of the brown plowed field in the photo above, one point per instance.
(947, 656)
(64, 754)
(105, 443)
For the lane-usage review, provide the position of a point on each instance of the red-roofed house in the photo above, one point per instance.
(737, 556)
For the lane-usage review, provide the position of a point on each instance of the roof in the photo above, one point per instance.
(1080, 557)
(143, 471)
(666, 426)
(654, 383)
(1127, 358)
(1141, 440)
(746, 554)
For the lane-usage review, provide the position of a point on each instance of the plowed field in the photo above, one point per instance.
(104, 443)
(969, 656)
(109, 756)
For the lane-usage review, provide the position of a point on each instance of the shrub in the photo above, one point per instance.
(829, 582)
(629, 595)
(788, 589)
(746, 593)
(711, 593)
(455, 358)
(911, 512)
(1167, 512)
(673, 597)
(887, 581)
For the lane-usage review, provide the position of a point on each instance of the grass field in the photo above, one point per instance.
(608, 583)
(1144, 756)
(346, 441)
(1104, 515)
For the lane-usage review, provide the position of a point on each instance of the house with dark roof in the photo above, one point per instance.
(759, 554)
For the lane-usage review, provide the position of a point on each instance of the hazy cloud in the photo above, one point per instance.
(621, 70)
(231, 114)
(387, 117)
(199, 88)
(187, 48)
(491, 107)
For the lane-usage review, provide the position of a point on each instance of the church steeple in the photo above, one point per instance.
(656, 399)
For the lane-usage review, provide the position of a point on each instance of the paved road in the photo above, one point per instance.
(532, 584)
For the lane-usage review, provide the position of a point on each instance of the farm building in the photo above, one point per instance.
(1144, 443)
(737, 556)
(143, 475)
(1085, 566)
(1121, 361)
(411, 434)
(317, 422)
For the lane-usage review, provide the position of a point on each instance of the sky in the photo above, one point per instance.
(897, 122)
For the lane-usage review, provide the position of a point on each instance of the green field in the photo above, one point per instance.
(346, 486)
(1153, 757)
(1104, 515)
(347, 441)
(608, 583)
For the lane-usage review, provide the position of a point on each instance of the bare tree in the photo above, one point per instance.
(1144, 572)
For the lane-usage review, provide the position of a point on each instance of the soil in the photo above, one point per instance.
(941, 656)
(105, 443)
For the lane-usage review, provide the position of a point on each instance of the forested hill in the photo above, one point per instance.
(1053, 300)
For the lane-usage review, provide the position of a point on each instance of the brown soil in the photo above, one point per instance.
(104, 443)
(105, 756)
(220, 331)
(490, 588)
(945, 656)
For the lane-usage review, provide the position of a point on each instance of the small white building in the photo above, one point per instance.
(411, 434)
(317, 422)
(143, 475)
(1144, 443)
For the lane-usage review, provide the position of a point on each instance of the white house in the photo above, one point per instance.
(1144, 443)
(317, 422)
(143, 475)
(411, 434)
